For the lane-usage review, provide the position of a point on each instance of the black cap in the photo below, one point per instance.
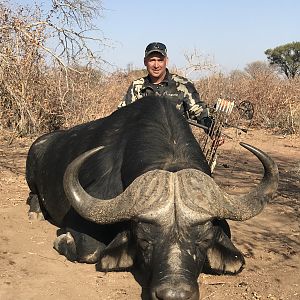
(156, 47)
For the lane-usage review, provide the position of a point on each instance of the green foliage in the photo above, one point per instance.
(286, 57)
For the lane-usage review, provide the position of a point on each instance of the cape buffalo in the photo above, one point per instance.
(134, 191)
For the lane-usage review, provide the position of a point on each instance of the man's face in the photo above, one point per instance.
(156, 65)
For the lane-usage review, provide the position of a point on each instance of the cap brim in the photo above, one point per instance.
(157, 51)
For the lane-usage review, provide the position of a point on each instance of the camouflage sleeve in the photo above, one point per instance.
(129, 97)
(195, 106)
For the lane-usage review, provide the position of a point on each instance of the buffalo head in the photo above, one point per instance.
(174, 216)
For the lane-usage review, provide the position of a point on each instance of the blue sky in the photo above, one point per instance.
(234, 33)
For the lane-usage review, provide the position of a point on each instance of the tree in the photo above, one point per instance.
(198, 62)
(259, 69)
(65, 32)
(286, 57)
(43, 52)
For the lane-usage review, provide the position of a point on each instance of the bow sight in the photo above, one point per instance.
(221, 113)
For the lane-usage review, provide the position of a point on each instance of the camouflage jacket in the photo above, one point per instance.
(176, 88)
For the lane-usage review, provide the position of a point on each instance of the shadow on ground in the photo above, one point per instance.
(276, 230)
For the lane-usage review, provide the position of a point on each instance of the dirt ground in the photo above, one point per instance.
(31, 269)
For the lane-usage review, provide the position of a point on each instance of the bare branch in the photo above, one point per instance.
(197, 62)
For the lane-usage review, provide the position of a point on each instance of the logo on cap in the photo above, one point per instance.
(156, 47)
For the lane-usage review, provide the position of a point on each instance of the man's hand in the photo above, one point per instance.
(206, 121)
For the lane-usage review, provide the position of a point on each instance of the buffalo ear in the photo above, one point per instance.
(223, 257)
(118, 255)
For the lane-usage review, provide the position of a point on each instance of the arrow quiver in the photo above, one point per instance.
(220, 113)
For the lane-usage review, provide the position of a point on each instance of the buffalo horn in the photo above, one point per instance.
(204, 196)
(137, 199)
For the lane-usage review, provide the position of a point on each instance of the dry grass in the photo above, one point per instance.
(50, 101)
(38, 94)
(276, 100)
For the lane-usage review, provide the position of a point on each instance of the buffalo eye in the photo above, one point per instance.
(206, 237)
(145, 245)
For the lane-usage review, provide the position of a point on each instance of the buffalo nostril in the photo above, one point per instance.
(173, 294)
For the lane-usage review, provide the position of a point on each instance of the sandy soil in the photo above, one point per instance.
(31, 269)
